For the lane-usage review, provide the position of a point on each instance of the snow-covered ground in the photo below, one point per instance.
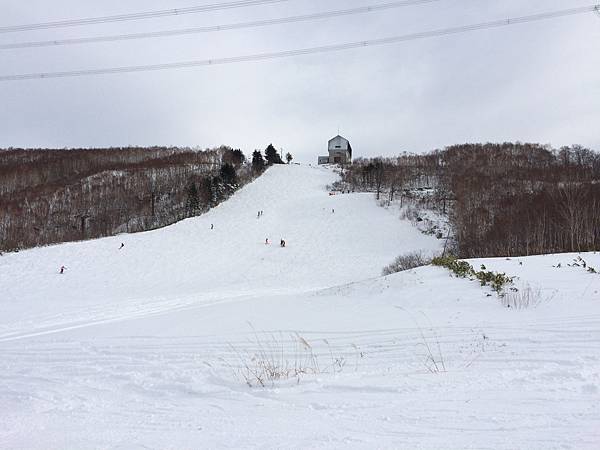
(147, 346)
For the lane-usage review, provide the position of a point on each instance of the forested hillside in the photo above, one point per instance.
(49, 196)
(502, 199)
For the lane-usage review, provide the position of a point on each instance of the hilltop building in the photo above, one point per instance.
(340, 152)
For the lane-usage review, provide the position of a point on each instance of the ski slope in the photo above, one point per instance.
(145, 346)
(190, 264)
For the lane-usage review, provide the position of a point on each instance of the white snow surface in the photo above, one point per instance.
(145, 346)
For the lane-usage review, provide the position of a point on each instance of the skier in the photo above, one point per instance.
(267, 241)
(212, 226)
(62, 269)
(282, 243)
(122, 245)
(332, 210)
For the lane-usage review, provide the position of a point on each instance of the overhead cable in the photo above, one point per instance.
(215, 28)
(138, 15)
(308, 51)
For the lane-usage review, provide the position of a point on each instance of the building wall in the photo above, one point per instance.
(339, 157)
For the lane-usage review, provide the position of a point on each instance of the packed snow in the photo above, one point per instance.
(161, 343)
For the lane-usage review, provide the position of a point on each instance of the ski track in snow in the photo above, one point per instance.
(143, 347)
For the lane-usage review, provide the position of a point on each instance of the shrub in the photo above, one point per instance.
(463, 269)
(411, 213)
(460, 268)
(496, 280)
(406, 262)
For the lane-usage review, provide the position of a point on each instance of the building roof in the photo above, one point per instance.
(339, 138)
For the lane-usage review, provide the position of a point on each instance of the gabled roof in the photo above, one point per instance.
(338, 137)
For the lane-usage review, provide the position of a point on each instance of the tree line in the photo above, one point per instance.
(49, 196)
(503, 199)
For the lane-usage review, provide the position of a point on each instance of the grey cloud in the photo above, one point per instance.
(538, 82)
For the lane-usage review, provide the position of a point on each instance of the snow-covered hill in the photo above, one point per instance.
(147, 346)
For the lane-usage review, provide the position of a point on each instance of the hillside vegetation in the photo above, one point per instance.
(501, 199)
(50, 196)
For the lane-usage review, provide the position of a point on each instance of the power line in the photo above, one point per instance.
(311, 50)
(215, 28)
(137, 16)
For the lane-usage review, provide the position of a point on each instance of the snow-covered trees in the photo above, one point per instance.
(192, 204)
(502, 199)
(49, 196)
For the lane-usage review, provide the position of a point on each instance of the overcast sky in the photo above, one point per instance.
(536, 82)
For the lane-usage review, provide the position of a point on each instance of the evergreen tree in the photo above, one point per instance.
(220, 190)
(289, 157)
(208, 191)
(238, 157)
(258, 162)
(272, 155)
(192, 204)
(228, 175)
(235, 157)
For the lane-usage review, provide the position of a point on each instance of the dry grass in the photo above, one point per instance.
(522, 298)
(274, 357)
(433, 358)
